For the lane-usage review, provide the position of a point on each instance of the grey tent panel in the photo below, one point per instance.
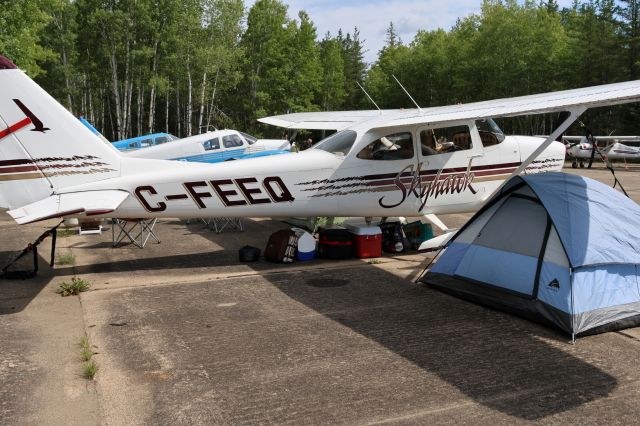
(505, 230)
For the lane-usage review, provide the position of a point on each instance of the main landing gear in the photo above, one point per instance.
(575, 164)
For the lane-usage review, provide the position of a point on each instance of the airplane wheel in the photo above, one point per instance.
(574, 165)
(582, 165)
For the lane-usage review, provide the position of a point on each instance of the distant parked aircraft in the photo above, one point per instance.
(213, 147)
(581, 150)
(210, 147)
(145, 141)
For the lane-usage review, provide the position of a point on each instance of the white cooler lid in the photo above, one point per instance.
(362, 229)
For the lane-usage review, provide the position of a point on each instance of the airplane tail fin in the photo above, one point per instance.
(43, 147)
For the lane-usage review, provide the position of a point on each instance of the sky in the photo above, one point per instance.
(373, 17)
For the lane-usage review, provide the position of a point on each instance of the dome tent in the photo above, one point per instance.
(557, 248)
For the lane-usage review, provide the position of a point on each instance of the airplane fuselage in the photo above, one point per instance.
(320, 183)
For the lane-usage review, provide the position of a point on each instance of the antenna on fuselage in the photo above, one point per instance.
(405, 91)
(370, 98)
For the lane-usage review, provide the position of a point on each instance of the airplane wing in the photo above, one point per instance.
(327, 120)
(589, 97)
(90, 203)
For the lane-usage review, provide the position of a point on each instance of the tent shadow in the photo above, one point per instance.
(499, 361)
(16, 294)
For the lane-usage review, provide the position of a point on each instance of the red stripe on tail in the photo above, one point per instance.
(11, 129)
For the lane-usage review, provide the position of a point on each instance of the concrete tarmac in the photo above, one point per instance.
(185, 334)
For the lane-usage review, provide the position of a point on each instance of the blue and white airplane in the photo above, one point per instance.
(214, 147)
(145, 141)
(210, 147)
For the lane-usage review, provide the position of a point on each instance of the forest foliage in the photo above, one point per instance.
(183, 66)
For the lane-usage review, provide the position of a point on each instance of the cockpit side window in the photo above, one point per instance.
(232, 141)
(211, 144)
(397, 146)
(446, 139)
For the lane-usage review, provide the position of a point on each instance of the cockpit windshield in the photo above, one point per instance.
(490, 132)
(250, 139)
(339, 143)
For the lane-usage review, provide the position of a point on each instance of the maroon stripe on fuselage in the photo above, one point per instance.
(17, 162)
(442, 171)
(431, 176)
(18, 169)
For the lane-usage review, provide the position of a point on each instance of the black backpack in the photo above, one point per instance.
(392, 237)
(249, 254)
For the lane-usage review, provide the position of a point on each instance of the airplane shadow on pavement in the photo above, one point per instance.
(494, 358)
(499, 361)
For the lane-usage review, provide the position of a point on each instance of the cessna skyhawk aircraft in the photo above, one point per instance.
(391, 163)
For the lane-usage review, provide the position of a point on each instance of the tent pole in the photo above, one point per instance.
(573, 329)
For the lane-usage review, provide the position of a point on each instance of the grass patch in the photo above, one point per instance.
(374, 262)
(66, 232)
(65, 259)
(75, 287)
(90, 370)
(85, 350)
(90, 366)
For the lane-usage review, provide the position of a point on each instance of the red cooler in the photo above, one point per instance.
(367, 240)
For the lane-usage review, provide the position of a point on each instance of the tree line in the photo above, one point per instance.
(133, 67)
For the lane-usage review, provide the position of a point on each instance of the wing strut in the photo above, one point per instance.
(574, 114)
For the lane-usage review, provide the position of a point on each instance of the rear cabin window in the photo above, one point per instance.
(145, 143)
(232, 141)
(211, 144)
(398, 146)
(133, 145)
(444, 140)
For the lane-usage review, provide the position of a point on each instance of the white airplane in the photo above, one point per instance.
(580, 149)
(410, 163)
(213, 147)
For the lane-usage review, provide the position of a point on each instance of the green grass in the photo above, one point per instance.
(66, 232)
(85, 350)
(75, 287)
(90, 370)
(90, 366)
(65, 259)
